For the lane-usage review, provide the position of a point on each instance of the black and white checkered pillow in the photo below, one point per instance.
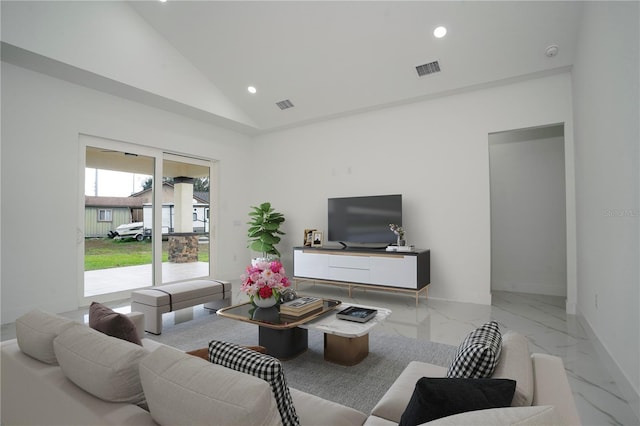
(265, 367)
(478, 354)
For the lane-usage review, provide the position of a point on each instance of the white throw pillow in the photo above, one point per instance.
(104, 366)
(183, 389)
(515, 363)
(35, 332)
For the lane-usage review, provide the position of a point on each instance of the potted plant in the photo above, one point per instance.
(264, 230)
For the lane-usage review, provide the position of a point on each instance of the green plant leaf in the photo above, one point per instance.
(269, 239)
(260, 247)
(271, 226)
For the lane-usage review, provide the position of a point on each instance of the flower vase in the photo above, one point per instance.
(266, 259)
(264, 303)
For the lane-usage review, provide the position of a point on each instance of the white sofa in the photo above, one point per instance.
(183, 389)
(542, 397)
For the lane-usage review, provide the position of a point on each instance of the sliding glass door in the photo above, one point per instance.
(146, 219)
(117, 247)
(186, 218)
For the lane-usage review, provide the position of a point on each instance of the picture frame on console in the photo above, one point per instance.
(308, 237)
(317, 239)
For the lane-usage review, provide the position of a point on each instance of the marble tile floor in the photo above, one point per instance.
(541, 318)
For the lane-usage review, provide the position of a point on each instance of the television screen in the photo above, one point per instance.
(364, 219)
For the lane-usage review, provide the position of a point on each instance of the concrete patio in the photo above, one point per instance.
(112, 280)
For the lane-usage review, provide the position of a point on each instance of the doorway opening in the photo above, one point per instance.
(528, 211)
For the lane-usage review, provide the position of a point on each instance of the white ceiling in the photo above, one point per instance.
(332, 58)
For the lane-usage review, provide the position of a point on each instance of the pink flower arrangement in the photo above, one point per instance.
(264, 279)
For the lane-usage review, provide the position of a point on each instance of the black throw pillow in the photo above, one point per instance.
(434, 398)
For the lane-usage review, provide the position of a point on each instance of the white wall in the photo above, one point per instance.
(528, 218)
(606, 110)
(434, 152)
(82, 34)
(41, 120)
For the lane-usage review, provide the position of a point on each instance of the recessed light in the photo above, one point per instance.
(162, 1)
(440, 32)
(251, 90)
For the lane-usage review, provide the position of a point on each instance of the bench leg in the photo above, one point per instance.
(152, 317)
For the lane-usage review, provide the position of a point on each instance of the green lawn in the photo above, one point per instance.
(104, 253)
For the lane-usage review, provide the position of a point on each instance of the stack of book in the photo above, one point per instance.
(301, 307)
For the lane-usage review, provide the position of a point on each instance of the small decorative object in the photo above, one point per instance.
(264, 229)
(317, 239)
(308, 237)
(357, 314)
(287, 295)
(399, 231)
(264, 283)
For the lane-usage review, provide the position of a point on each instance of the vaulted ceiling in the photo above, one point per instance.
(331, 58)
(327, 58)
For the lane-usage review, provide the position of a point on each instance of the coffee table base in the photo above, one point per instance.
(346, 351)
(284, 343)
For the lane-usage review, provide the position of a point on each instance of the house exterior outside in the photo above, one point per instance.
(105, 214)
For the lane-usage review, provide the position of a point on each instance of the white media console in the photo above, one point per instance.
(372, 268)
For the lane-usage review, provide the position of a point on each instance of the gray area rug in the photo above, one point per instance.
(360, 386)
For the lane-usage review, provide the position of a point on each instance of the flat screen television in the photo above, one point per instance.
(364, 220)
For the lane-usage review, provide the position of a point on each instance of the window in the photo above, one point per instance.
(104, 215)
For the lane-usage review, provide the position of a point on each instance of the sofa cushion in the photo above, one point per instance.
(394, 401)
(434, 398)
(186, 390)
(103, 366)
(263, 366)
(35, 332)
(521, 416)
(112, 323)
(515, 363)
(478, 353)
(313, 410)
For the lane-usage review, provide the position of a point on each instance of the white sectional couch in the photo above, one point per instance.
(98, 382)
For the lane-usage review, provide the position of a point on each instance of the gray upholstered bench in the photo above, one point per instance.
(155, 301)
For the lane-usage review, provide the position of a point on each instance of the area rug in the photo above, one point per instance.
(360, 386)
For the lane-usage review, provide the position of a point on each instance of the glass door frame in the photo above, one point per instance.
(158, 156)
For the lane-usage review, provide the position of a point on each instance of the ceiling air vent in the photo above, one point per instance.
(427, 69)
(285, 104)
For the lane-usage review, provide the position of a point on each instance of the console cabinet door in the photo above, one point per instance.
(394, 271)
(311, 265)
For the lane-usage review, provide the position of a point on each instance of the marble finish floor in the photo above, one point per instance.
(541, 318)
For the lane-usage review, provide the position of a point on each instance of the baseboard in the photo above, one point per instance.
(627, 389)
(486, 301)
